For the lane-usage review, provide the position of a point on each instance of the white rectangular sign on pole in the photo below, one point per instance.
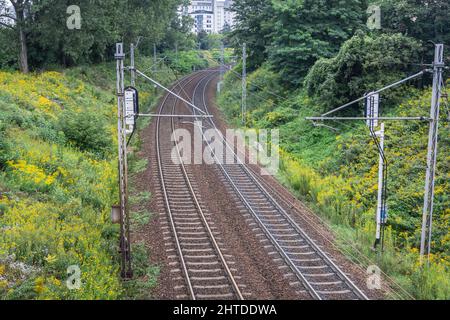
(129, 107)
(372, 105)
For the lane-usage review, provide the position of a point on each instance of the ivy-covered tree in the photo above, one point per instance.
(306, 30)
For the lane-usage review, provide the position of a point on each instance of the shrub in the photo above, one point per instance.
(87, 131)
(186, 61)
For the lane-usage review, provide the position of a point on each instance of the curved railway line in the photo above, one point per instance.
(206, 269)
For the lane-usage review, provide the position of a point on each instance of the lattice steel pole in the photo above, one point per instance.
(427, 214)
(122, 149)
(222, 61)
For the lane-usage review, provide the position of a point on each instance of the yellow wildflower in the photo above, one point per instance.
(51, 258)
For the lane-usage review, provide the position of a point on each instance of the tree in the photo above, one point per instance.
(202, 40)
(307, 30)
(52, 42)
(209, 41)
(422, 19)
(8, 49)
(17, 21)
(179, 34)
(364, 63)
(253, 26)
(41, 28)
(148, 19)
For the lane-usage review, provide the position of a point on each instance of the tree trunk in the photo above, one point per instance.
(19, 8)
(23, 55)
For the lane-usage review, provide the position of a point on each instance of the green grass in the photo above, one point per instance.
(137, 198)
(140, 218)
(57, 185)
(144, 275)
(138, 166)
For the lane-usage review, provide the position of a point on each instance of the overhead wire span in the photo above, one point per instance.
(169, 91)
(374, 92)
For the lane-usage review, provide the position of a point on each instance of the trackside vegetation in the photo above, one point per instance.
(58, 180)
(57, 184)
(336, 174)
(304, 67)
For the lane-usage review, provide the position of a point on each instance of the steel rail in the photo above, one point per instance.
(299, 274)
(203, 217)
(311, 290)
(294, 206)
(232, 281)
(166, 198)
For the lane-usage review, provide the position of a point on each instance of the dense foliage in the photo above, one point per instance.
(253, 27)
(56, 188)
(185, 61)
(304, 31)
(292, 35)
(421, 19)
(48, 40)
(364, 63)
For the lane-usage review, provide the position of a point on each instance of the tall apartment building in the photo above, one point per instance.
(210, 15)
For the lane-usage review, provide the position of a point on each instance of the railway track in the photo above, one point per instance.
(201, 260)
(320, 277)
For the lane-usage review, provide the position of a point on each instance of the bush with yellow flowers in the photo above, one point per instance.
(58, 180)
(57, 185)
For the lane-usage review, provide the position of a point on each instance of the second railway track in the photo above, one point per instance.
(320, 276)
(206, 268)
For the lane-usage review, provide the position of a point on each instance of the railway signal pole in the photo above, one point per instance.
(132, 71)
(244, 82)
(126, 108)
(438, 68)
(222, 60)
(125, 251)
(427, 213)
